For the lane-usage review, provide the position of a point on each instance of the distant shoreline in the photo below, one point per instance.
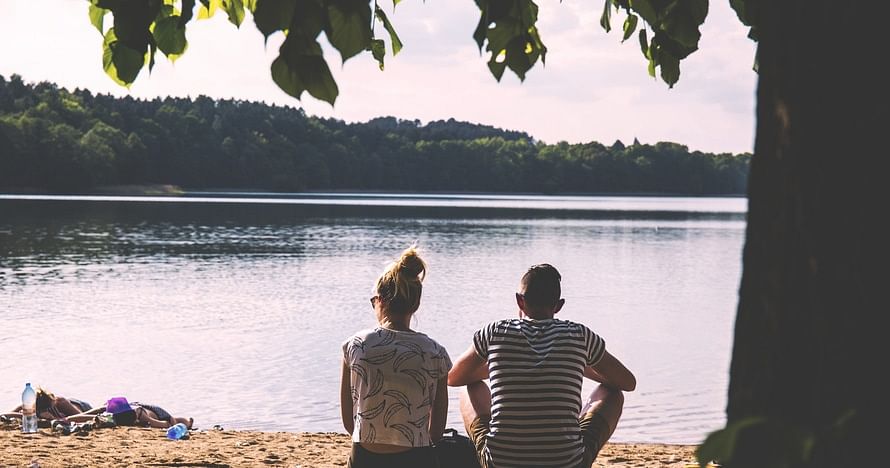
(177, 191)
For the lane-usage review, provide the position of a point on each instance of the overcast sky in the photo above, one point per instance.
(593, 88)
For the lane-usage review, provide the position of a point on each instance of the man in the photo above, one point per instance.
(532, 415)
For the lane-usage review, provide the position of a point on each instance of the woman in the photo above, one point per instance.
(393, 392)
(51, 406)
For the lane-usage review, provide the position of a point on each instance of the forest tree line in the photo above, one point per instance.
(55, 140)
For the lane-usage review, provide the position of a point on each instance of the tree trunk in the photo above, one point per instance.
(806, 354)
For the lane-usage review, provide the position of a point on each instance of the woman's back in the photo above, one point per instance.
(394, 377)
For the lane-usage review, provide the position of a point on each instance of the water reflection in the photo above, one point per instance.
(251, 300)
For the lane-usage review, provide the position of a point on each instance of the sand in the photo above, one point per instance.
(142, 447)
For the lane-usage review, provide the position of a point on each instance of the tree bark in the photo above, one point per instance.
(807, 348)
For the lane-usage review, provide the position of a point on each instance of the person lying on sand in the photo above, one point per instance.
(51, 406)
(125, 413)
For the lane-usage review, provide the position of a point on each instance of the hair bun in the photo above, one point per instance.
(410, 263)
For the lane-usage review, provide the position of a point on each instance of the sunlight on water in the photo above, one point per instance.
(233, 310)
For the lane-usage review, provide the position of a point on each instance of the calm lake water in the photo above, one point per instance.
(232, 308)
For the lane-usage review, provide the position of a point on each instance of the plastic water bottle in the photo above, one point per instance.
(29, 410)
(177, 431)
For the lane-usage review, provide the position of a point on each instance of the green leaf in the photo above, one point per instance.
(720, 444)
(132, 23)
(188, 9)
(97, 17)
(644, 43)
(169, 35)
(301, 67)
(208, 8)
(645, 10)
(670, 67)
(512, 39)
(165, 11)
(120, 62)
(378, 50)
(630, 25)
(310, 19)
(501, 35)
(681, 28)
(235, 10)
(273, 15)
(393, 37)
(521, 56)
(349, 26)
(106, 4)
(497, 64)
(698, 10)
(606, 18)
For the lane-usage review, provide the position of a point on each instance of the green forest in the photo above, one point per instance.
(55, 140)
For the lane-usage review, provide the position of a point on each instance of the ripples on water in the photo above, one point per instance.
(233, 310)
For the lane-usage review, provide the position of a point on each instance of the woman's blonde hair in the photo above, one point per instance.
(400, 285)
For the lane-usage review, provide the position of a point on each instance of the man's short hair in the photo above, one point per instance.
(540, 285)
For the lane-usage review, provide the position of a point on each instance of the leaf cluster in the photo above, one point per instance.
(142, 28)
(507, 33)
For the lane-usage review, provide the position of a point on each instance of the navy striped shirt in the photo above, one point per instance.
(536, 368)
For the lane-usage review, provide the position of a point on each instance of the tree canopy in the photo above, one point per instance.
(507, 33)
(56, 140)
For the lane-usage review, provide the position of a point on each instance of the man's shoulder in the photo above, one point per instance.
(569, 323)
(502, 324)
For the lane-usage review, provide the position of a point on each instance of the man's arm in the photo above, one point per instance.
(468, 368)
(610, 371)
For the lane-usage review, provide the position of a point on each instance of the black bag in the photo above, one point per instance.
(456, 451)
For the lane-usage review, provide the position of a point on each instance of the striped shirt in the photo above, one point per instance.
(536, 368)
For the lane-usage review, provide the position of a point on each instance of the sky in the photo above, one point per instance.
(592, 88)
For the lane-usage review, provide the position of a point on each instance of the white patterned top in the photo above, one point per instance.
(394, 375)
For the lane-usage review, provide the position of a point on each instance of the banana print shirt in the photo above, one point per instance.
(394, 375)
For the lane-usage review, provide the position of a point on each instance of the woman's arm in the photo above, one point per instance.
(346, 398)
(468, 368)
(611, 372)
(439, 411)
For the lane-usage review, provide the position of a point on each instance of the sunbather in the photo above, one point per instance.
(125, 413)
(51, 406)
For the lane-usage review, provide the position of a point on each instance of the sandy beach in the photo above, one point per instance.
(130, 446)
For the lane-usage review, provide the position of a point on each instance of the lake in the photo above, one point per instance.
(231, 308)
